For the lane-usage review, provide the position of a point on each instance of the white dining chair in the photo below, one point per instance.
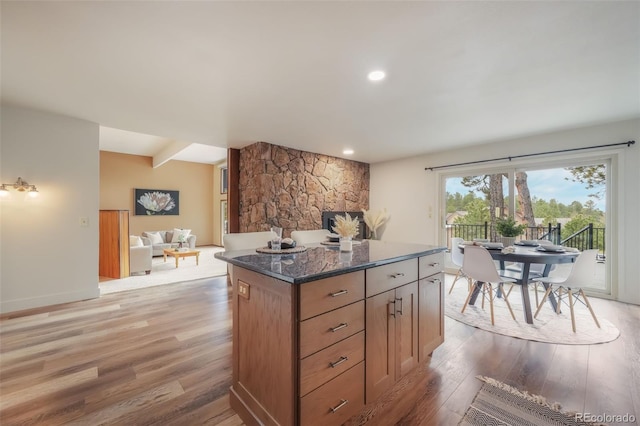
(245, 241)
(582, 273)
(311, 236)
(478, 265)
(457, 257)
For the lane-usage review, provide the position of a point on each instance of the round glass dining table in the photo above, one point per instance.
(527, 255)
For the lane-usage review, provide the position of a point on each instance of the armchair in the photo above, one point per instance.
(140, 259)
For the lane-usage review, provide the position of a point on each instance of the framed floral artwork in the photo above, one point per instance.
(156, 202)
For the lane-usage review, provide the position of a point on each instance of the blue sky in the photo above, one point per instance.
(546, 185)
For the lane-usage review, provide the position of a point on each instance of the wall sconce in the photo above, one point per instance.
(21, 186)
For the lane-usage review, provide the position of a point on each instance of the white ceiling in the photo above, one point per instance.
(227, 74)
(126, 142)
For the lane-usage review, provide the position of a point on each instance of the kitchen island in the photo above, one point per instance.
(320, 334)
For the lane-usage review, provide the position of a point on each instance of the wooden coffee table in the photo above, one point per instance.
(182, 254)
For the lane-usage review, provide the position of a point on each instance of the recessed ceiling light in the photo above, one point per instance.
(348, 152)
(376, 75)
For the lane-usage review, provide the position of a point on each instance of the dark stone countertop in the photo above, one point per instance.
(320, 261)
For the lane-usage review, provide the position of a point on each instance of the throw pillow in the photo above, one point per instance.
(177, 233)
(155, 238)
(135, 241)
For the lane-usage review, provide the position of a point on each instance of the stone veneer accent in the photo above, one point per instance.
(285, 187)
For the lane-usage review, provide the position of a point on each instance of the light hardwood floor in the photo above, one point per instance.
(162, 356)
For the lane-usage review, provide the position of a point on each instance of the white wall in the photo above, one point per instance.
(411, 194)
(45, 256)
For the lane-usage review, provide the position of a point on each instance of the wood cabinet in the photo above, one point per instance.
(114, 244)
(313, 353)
(431, 304)
(298, 354)
(392, 327)
(405, 322)
(431, 315)
(331, 350)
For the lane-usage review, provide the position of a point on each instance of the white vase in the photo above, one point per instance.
(346, 244)
(507, 241)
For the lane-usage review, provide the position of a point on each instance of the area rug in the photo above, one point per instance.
(166, 272)
(497, 403)
(548, 327)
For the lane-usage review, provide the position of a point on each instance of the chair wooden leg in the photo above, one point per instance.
(573, 318)
(505, 296)
(559, 300)
(490, 301)
(586, 301)
(466, 302)
(454, 280)
(544, 298)
(509, 292)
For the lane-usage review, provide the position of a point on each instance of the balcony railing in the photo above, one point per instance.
(586, 238)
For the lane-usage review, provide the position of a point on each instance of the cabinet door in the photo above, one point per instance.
(406, 328)
(430, 314)
(380, 347)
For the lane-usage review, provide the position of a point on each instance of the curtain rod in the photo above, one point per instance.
(628, 144)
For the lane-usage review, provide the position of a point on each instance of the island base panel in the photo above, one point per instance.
(264, 357)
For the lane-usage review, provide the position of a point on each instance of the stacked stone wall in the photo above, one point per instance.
(289, 188)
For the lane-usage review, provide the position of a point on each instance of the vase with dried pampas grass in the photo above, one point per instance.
(375, 220)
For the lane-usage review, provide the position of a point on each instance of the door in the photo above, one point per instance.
(380, 344)
(406, 319)
(430, 315)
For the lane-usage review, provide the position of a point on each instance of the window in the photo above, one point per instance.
(223, 180)
(563, 201)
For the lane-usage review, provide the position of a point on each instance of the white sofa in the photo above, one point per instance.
(165, 239)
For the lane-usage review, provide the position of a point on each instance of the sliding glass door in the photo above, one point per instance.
(565, 203)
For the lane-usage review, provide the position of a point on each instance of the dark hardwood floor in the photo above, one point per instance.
(162, 356)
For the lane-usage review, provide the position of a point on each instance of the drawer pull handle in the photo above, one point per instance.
(339, 293)
(398, 274)
(434, 264)
(338, 327)
(343, 402)
(393, 310)
(338, 362)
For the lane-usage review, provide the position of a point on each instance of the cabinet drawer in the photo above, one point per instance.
(319, 332)
(336, 401)
(387, 277)
(319, 368)
(432, 264)
(325, 295)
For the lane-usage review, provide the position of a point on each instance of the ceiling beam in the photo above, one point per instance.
(168, 152)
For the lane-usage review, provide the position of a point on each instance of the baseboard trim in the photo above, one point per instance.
(49, 299)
